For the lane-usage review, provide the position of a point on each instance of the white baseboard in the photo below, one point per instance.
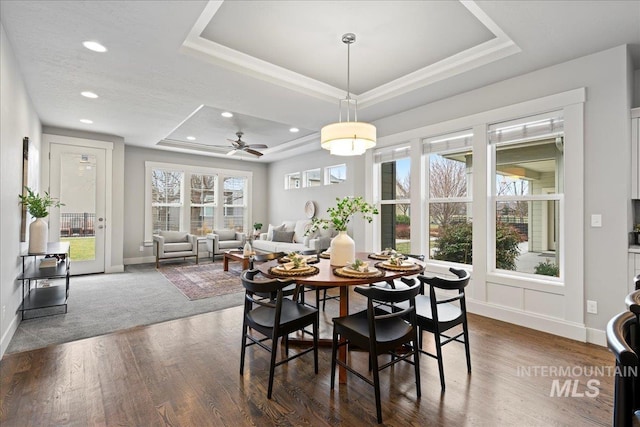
(553, 326)
(115, 269)
(6, 338)
(597, 336)
(139, 260)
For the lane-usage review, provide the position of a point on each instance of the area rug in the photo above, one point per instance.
(204, 280)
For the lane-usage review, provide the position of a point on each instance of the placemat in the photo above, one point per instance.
(341, 272)
(285, 273)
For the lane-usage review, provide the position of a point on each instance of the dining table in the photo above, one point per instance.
(326, 275)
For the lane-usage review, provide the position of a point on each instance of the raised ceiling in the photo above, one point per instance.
(173, 66)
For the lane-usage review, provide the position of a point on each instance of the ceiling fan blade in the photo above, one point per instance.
(232, 152)
(254, 152)
(234, 143)
(257, 146)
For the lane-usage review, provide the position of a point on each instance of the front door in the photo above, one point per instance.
(77, 177)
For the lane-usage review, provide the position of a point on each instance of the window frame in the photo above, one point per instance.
(327, 173)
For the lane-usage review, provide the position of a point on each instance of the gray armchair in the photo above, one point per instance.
(174, 244)
(223, 240)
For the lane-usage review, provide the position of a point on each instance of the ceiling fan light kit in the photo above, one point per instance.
(348, 138)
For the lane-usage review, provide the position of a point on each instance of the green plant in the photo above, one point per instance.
(257, 226)
(636, 228)
(342, 213)
(454, 244)
(547, 268)
(37, 205)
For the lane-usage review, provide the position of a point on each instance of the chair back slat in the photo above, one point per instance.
(262, 286)
(449, 284)
(387, 295)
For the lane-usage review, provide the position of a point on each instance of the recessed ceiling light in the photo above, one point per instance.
(191, 138)
(226, 114)
(88, 94)
(87, 121)
(94, 46)
(294, 130)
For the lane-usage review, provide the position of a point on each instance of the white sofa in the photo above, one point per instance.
(318, 241)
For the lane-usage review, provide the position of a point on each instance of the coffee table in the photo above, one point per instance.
(235, 256)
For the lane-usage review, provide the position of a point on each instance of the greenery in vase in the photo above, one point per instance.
(37, 205)
(341, 214)
(257, 226)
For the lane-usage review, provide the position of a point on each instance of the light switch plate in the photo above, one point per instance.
(596, 220)
(592, 307)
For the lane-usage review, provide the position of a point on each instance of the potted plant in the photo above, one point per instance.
(342, 246)
(38, 207)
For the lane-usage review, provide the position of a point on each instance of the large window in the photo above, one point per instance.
(195, 199)
(395, 191)
(450, 226)
(528, 194)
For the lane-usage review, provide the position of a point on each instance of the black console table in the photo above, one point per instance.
(36, 297)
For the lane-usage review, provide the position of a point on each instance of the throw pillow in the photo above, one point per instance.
(273, 228)
(283, 236)
(174, 236)
(225, 234)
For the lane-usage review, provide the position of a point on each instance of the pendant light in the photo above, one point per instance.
(348, 138)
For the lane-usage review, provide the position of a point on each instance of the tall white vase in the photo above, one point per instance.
(38, 236)
(343, 250)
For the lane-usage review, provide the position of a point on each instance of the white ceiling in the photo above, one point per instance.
(173, 66)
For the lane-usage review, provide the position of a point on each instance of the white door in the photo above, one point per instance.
(77, 177)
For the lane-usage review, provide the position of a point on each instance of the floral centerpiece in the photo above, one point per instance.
(342, 246)
(38, 207)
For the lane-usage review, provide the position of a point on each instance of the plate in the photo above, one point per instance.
(406, 265)
(292, 270)
(348, 272)
(310, 209)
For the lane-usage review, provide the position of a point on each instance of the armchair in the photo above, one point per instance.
(174, 244)
(222, 240)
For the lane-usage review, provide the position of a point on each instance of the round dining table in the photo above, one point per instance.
(326, 277)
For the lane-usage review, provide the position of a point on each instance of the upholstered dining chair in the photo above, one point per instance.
(273, 319)
(379, 332)
(439, 314)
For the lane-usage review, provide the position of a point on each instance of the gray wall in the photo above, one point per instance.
(134, 169)
(18, 119)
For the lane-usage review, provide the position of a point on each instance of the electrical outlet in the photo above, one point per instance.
(596, 220)
(141, 248)
(592, 307)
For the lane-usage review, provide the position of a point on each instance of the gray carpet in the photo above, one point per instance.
(103, 303)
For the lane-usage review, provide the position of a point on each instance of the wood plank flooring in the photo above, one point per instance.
(185, 373)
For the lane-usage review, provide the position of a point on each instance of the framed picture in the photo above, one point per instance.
(25, 178)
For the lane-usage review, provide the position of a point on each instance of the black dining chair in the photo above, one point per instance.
(274, 318)
(439, 314)
(319, 289)
(402, 282)
(379, 332)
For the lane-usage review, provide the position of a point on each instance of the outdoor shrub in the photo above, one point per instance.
(403, 231)
(548, 268)
(454, 244)
(403, 219)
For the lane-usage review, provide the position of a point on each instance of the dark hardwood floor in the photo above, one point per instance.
(185, 373)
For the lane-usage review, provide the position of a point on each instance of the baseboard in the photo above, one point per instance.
(597, 336)
(139, 260)
(550, 325)
(6, 338)
(115, 269)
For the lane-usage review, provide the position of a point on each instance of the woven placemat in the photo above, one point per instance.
(286, 259)
(285, 273)
(412, 267)
(325, 255)
(384, 257)
(341, 272)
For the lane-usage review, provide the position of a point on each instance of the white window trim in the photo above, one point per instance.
(327, 174)
(186, 205)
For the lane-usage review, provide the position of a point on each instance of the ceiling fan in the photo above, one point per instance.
(240, 145)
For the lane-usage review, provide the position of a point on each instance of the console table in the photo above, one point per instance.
(37, 297)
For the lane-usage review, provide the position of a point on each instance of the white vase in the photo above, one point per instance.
(343, 250)
(38, 236)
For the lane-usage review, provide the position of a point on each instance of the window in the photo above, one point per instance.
(234, 203)
(335, 174)
(166, 196)
(292, 180)
(395, 190)
(311, 178)
(203, 202)
(194, 199)
(450, 226)
(528, 190)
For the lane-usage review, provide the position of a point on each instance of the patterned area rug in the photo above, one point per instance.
(203, 280)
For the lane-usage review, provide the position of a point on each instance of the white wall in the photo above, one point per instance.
(19, 119)
(134, 169)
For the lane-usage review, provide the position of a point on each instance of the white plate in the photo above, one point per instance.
(293, 270)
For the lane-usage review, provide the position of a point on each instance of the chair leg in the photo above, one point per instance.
(465, 330)
(416, 362)
(315, 343)
(376, 385)
(334, 354)
(324, 298)
(436, 335)
(272, 366)
(244, 346)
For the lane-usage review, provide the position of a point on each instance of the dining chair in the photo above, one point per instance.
(402, 282)
(439, 314)
(274, 319)
(319, 289)
(379, 332)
